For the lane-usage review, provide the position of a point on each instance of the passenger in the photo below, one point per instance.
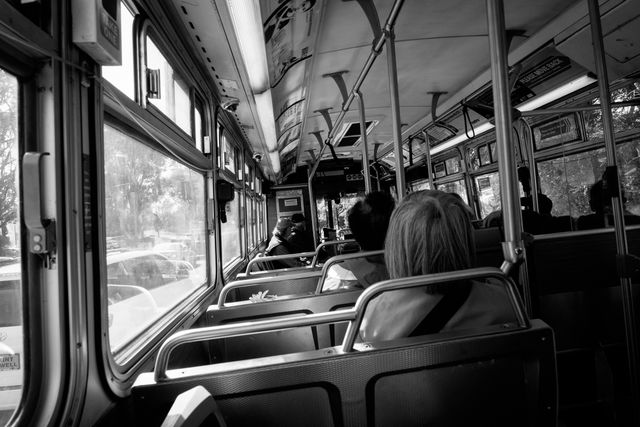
(279, 245)
(430, 232)
(368, 220)
(602, 216)
(300, 239)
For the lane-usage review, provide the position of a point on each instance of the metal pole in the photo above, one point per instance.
(314, 212)
(395, 113)
(616, 204)
(512, 246)
(427, 158)
(375, 51)
(365, 151)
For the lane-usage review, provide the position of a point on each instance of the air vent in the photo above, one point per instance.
(351, 134)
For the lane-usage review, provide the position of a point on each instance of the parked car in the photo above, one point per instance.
(142, 285)
(11, 336)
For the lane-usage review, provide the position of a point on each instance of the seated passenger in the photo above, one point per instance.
(300, 239)
(430, 232)
(368, 220)
(279, 245)
(600, 204)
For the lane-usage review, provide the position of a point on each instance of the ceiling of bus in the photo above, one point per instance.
(441, 46)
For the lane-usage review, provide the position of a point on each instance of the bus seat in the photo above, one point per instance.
(505, 378)
(279, 342)
(359, 275)
(575, 289)
(488, 247)
(295, 283)
(192, 408)
(493, 375)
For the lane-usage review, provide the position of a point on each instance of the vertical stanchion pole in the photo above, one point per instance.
(512, 246)
(363, 137)
(395, 111)
(616, 205)
(427, 158)
(313, 209)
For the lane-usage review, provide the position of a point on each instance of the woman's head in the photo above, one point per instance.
(429, 232)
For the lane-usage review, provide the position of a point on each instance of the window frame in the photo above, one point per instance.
(153, 128)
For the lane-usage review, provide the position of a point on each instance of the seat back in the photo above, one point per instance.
(283, 341)
(339, 260)
(490, 376)
(576, 290)
(296, 283)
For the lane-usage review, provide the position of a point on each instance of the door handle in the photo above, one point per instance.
(40, 230)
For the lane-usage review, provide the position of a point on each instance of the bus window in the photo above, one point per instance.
(230, 232)
(567, 180)
(488, 187)
(173, 98)
(457, 187)
(122, 76)
(155, 226)
(12, 356)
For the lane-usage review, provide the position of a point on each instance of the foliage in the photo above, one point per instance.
(148, 193)
(8, 152)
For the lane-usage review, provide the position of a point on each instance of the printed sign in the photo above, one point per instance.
(9, 362)
(558, 131)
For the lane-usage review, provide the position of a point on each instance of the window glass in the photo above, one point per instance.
(340, 211)
(230, 232)
(483, 152)
(457, 187)
(624, 118)
(453, 165)
(488, 186)
(173, 98)
(252, 221)
(198, 136)
(229, 155)
(567, 180)
(123, 76)
(422, 184)
(220, 142)
(493, 148)
(474, 160)
(243, 221)
(156, 234)
(12, 349)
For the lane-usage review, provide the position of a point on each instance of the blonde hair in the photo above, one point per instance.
(429, 232)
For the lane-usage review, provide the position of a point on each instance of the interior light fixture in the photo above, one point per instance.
(275, 161)
(247, 25)
(461, 138)
(264, 105)
(556, 93)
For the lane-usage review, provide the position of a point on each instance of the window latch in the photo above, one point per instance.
(153, 83)
(40, 230)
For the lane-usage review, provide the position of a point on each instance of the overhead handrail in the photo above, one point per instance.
(236, 284)
(339, 259)
(239, 329)
(431, 279)
(354, 315)
(265, 259)
(324, 245)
